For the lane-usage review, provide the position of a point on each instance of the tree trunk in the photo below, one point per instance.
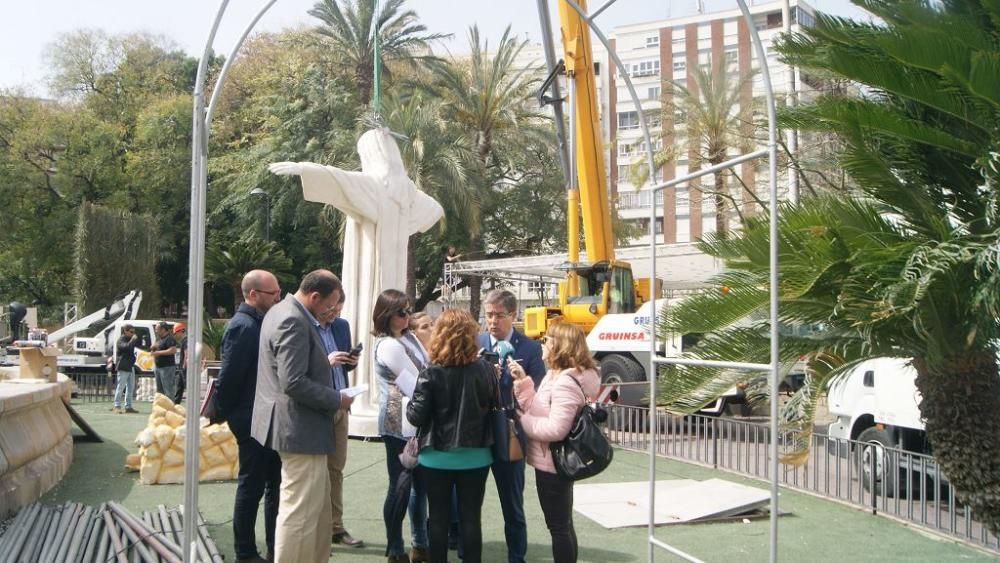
(961, 407)
(411, 270)
(721, 219)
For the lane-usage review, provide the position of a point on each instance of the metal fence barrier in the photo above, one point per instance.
(99, 387)
(887, 481)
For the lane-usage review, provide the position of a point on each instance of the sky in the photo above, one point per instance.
(29, 25)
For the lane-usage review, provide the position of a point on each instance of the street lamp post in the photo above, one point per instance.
(267, 211)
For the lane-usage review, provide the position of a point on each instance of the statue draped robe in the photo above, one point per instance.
(383, 208)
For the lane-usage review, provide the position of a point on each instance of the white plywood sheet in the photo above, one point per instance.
(621, 505)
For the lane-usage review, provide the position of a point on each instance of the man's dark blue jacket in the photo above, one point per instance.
(237, 381)
(525, 349)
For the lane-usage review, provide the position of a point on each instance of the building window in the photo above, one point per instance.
(773, 20)
(597, 68)
(625, 149)
(731, 56)
(653, 41)
(623, 173)
(539, 286)
(653, 93)
(680, 66)
(803, 18)
(628, 120)
(646, 68)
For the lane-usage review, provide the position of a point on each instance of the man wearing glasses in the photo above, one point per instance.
(260, 467)
(501, 307)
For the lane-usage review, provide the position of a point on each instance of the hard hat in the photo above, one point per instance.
(179, 327)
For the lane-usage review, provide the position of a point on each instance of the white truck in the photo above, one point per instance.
(878, 404)
(621, 344)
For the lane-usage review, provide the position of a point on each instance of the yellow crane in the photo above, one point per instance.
(602, 284)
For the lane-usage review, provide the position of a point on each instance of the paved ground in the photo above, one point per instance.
(817, 530)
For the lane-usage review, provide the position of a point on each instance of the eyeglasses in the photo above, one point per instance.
(404, 313)
(268, 291)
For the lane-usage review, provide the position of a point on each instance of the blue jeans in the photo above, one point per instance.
(166, 380)
(126, 386)
(509, 478)
(417, 507)
(259, 477)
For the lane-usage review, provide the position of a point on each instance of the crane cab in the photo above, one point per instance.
(589, 292)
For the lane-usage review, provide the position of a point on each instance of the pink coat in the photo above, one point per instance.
(548, 414)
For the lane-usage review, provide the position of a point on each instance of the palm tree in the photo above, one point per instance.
(439, 160)
(352, 31)
(909, 267)
(228, 263)
(489, 98)
(711, 119)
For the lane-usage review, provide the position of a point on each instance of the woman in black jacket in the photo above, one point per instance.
(449, 407)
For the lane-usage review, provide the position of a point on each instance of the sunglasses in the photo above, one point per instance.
(404, 313)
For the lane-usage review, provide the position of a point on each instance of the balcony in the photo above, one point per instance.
(638, 200)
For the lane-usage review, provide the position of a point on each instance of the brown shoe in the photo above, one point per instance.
(419, 555)
(398, 559)
(347, 539)
(117, 410)
(130, 410)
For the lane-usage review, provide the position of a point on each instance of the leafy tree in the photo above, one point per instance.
(907, 269)
(115, 252)
(228, 263)
(439, 161)
(490, 99)
(352, 30)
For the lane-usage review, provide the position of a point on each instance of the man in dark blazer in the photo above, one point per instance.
(501, 308)
(260, 467)
(293, 414)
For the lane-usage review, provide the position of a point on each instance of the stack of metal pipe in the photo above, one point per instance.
(79, 533)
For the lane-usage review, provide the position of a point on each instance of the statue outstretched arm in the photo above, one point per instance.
(426, 212)
(355, 193)
(285, 168)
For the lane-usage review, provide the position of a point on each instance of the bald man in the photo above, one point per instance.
(260, 467)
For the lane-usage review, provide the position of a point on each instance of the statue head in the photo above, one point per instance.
(379, 153)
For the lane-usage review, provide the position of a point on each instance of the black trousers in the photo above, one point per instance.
(555, 494)
(470, 486)
(259, 477)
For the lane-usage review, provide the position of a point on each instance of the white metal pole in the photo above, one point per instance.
(196, 276)
(201, 122)
(772, 143)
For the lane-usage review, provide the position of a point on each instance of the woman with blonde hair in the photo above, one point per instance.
(421, 325)
(547, 416)
(450, 406)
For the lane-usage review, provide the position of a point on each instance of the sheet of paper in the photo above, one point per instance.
(354, 391)
(407, 381)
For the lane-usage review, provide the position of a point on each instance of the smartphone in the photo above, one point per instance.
(356, 350)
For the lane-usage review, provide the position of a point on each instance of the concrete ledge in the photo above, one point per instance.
(36, 446)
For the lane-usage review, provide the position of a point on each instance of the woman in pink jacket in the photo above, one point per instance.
(547, 415)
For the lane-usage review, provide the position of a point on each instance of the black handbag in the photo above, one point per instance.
(585, 451)
(508, 441)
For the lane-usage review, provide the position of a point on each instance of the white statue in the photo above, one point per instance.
(384, 208)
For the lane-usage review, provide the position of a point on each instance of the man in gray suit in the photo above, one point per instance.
(293, 415)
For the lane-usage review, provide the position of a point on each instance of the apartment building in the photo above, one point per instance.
(658, 52)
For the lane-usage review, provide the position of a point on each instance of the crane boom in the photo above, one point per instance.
(592, 180)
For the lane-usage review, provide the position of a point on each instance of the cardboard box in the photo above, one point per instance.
(39, 363)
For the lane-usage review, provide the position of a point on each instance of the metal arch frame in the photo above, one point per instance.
(772, 367)
(201, 128)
